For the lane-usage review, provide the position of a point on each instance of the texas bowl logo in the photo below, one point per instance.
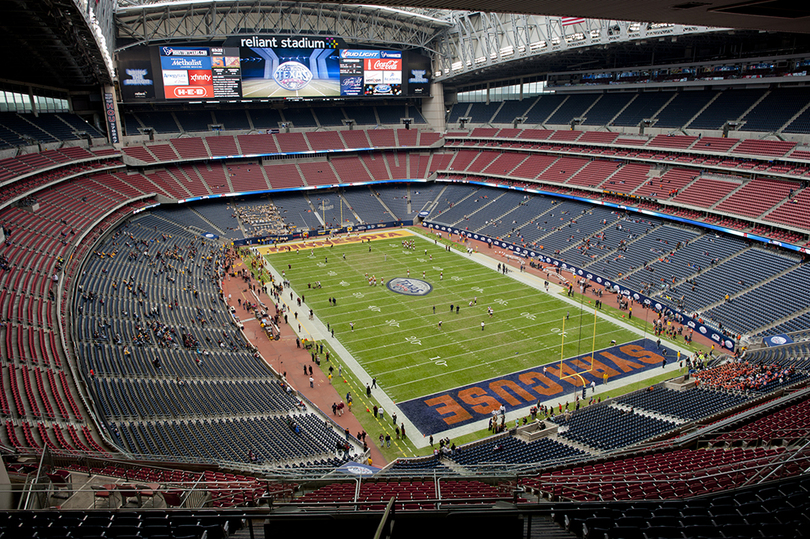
(292, 75)
(359, 470)
(409, 287)
(703, 330)
(778, 340)
(352, 82)
(729, 344)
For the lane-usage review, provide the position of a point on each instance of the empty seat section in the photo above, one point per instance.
(683, 108)
(643, 107)
(779, 106)
(573, 107)
(729, 106)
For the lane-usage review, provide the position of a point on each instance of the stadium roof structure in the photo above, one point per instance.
(467, 47)
(164, 22)
(67, 44)
(57, 43)
(770, 15)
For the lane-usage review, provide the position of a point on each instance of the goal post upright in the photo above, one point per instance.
(593, 353)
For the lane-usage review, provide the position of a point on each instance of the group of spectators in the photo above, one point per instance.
(744, 376)
(261, 219)
(164, 257)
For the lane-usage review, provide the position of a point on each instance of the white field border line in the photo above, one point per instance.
(366, 300)
(342, 352)
(481, 365)
(520, 412)
(527, 278)
(451, 317)
(550, 371)
(465, 341)
(537, 283)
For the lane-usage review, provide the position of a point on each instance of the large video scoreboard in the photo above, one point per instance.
(270, 67)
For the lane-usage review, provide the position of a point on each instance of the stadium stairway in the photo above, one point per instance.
(546, 528)
(384, 205)
(680, 282)
(776, 206)
(614, 251)
(750, 288)
(497, 218)
(752, 107)
(665, 105)
(213, 226)
(763, 329)
(698, 113)
(793, 118)
(608, 226)
(482, 208)
(621, 111)
(656, 258)
(726, 197)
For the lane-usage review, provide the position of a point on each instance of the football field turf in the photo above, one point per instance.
(398, 339)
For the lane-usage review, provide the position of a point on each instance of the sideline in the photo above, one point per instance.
(316, 330)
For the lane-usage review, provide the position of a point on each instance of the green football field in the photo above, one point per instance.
(397, 338)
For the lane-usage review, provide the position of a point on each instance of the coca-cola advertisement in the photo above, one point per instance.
(383, 64)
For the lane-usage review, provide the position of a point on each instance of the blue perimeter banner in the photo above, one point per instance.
(777, 340)
(460, 406)
(688, 321)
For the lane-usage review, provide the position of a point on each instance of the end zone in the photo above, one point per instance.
(460, 406)
(326, 241)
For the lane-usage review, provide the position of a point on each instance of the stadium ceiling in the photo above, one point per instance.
(769, 15)
(467, 46)
(52, 43)
(203, 20)
(486, 47)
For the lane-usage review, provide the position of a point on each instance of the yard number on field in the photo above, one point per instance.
(438, 361)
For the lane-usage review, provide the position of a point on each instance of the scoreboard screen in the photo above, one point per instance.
(273, 67)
